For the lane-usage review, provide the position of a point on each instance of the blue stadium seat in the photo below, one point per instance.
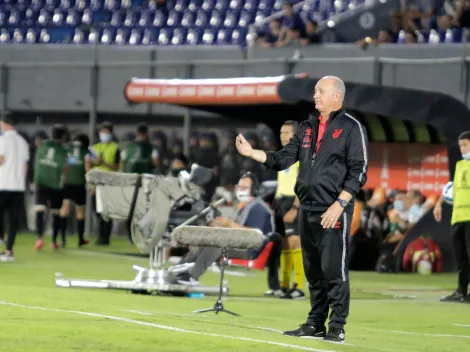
(224, 36)
(44, 17)
(193, 5)
(146, 18)
(208, 5)
(18, 36)
(116, 18)
(150, 36)
(179, 36)
(58, 17)
(87, 17)
(231, 19)
(164, 38)
(78, 36)
(265, 5)
(246, 18)
(93, 36)
(194, 36)
(160, 19)
(31, 36)
(107, 36)
(236, 4)
(135, 37)
(216, 19)
(72, 18)
(201, 19)
(181, 5)
(188, 19)
(4, 36)
(174, 19)
(239, 36)
(130, 19)
(122, 36)
(250, 5)
(209, 36)
(221, 5)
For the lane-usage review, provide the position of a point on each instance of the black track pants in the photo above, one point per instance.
(325, 256)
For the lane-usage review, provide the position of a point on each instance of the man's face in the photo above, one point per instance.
(384, 37)
(288, 10)
(310, 27)
(293, 34)
(325, 95)
(464, 145)
(287, 132)
(243, 190)
(274, 26)
(177, 164)
(410, 199)
(2, 125)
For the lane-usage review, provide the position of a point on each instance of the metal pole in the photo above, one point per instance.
(4, 87)
(92, 131)
(186, 132)
(465, 67)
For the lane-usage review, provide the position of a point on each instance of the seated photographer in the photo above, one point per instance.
(252, 212)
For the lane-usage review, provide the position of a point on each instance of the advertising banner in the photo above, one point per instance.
(408, 166)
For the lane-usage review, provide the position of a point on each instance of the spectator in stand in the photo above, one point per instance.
(411, 38)
(462, 13)
(163, 155)
(311, 36)
(291, 19)
(385, 36)
(293, 37)
(272, 37)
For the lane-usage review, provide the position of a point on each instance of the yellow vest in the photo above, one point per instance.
(286, 180)
(108, 152)
(461, 207)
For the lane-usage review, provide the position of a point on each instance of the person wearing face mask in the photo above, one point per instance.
(75, 187)
(252, 212)
(460, 221)
(178, 164)
(106, 156)
(138, 157)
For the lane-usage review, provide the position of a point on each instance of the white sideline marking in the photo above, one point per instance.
(433, 335)
(164, 327)
(462, 325)
(161, 313)
(104, 254)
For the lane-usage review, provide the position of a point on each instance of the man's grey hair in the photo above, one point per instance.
(338, 84)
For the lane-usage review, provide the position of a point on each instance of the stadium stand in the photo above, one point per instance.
(141, 22)
(167, 22)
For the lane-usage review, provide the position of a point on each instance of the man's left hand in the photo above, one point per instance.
(331, 216)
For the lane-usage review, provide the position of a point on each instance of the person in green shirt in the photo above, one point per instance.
(460, 221)
(75, 187)
(139, 156)
(104, 155)
(49, 164)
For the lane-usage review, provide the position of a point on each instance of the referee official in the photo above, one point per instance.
(14, 158)
(331, 147)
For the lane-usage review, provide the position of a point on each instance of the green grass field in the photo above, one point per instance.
(388, 312)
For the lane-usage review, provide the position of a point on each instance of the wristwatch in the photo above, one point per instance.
(342, 202)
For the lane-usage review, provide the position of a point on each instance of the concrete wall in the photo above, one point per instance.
(62, 78)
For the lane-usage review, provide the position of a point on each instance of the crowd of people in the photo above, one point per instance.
(416, 17)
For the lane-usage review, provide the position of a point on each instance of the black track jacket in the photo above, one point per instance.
(339, 164)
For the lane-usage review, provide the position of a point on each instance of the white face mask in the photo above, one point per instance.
(243, 196)
(466, 156)
(105, 137)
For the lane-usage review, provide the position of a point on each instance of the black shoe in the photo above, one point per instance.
(307, 331)
(454, 297)
(335, 335)
(466, 299)
(293, 293)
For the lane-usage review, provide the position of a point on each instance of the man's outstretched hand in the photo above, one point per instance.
(243, 147)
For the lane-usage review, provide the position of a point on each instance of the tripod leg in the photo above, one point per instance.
(204, 310)
(229, 312)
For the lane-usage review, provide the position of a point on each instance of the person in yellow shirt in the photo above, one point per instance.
(460, 221)
(286, 206)
(105, 155)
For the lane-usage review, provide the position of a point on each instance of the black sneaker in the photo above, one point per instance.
(307, 331)
(335, 335)
(454, 297)
(466, 299)
(293, 293)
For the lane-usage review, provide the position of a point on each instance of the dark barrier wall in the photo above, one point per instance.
(64, 78)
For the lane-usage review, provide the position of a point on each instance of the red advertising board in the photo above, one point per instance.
(408, 166)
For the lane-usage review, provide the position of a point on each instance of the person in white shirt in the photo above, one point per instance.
(14, 157)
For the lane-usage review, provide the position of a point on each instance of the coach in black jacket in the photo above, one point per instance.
(332, 149)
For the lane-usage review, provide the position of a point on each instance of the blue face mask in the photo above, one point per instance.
(415, 210)
(105, 137)
(398, 205)
(466, 156)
